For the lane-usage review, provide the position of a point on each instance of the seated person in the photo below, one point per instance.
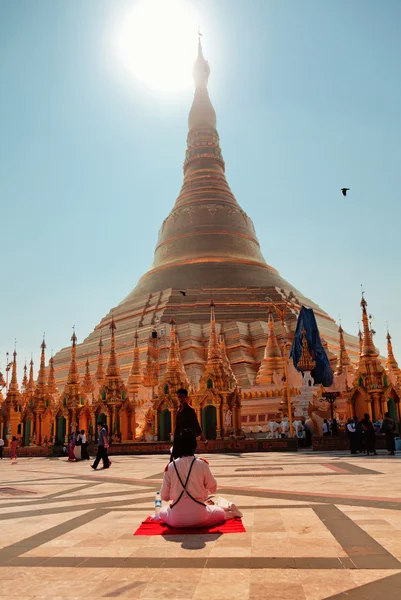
(187, 483)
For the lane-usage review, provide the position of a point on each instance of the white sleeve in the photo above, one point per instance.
(209, 480)
(165, 489)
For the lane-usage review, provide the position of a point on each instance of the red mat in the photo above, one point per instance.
(151, 527)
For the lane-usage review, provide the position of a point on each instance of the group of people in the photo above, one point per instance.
(330, 427)
(362, 434)
(78, 446)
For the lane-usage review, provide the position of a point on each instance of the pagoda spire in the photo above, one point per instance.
(135, 377)
(224, 356)
(272, 360)
(368, 348)
(87, 383)
(24, 385)
(13, 387)
(73, 375)
(113, 370)
(100, 373)
(306, 361)
(214, 367)
(51, 380)
(343, 360)
(41, 380)
(174, 376)
(391, 363)
(31, 382)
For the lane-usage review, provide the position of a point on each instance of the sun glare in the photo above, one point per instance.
(157, 43)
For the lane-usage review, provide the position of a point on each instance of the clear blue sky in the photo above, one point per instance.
(307, 95)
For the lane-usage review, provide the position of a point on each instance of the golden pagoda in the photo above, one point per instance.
(273, 361)
(372, 392)
(207, 242)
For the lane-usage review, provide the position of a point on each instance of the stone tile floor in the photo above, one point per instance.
(318, 526)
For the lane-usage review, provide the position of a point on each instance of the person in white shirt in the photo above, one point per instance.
(351, 432)
(84, 446)
(187, 483)
(1, 448)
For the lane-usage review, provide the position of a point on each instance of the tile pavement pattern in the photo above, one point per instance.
(318, 527)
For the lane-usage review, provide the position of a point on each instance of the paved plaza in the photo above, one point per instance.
(318, 526)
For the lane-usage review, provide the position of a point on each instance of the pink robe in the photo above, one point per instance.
(188, 513)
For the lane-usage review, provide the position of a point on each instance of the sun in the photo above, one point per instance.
(157, 43)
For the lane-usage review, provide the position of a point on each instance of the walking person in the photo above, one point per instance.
(351, 432)
(334, 428)
(388, 427)
(84, 446)
(369, 435)
(326, 427)
(14, 448)
(101, 448)
(308, 435)
(1, 448)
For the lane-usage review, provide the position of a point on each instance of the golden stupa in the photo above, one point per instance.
(207, 247)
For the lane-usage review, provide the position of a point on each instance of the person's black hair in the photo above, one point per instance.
(100, 423)
(182, 391)
(387, 414)
(82, 431)
(14, 438)
(184, 444)
(366, 416)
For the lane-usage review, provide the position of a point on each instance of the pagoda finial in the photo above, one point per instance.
(100, 374)
(343, 358)
(40, 390)
(31, 382)
(306, 361)
(73, 375)
(391, 362)
(113, 370)
(202, 114)
(24, 379)
(272, 359)
(213, 352)
(87, 383)
(14, 382)
(174, 375)
(368, 348)
(51, 380)
(135, 377)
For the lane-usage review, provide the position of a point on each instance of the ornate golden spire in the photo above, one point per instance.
(87, 383)
(224, 356)
(113, 370)
(135, 377)
(100, 374)
(306, 362)
(213, 351)
(40, 390)
(73, 374)
(360, 336)
(343, 360)
(52, 390)
(368, 348)
(13, 387)
(272, 360)
(391, 362)
(214, 368)
(31, 382)
(174, 376)
(24, 385)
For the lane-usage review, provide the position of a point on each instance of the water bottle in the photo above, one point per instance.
(158, 503)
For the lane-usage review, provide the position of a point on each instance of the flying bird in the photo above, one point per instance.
(344, 191)
(183, 293)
